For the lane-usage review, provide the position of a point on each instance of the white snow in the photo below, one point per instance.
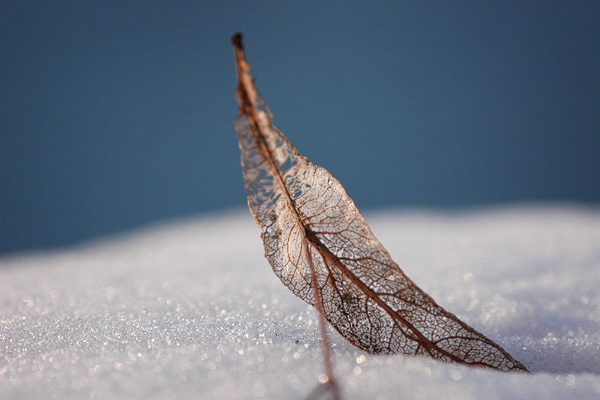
(190, 309)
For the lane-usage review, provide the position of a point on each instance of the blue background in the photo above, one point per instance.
(115, 114)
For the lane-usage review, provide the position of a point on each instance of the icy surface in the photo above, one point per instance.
(191, 309)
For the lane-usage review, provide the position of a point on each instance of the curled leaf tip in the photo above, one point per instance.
(236, 39)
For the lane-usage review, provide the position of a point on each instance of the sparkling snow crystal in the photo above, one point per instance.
(191, 309)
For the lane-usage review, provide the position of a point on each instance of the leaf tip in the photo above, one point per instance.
(236, 39)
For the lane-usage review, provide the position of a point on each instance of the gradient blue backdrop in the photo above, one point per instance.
(115, 114)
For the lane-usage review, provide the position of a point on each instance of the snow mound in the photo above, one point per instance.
(191, 309)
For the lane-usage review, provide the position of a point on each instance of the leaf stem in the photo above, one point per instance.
(325, 345)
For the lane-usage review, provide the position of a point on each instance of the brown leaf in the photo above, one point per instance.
(309, 224)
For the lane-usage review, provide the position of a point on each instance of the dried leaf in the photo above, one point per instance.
(314, 236)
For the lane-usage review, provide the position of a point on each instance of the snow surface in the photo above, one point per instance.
(191, 309)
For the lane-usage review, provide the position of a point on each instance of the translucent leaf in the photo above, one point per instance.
(311, 226)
